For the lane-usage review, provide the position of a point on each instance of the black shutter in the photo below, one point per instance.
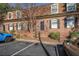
(65, 23)
(58, 23)
(13, 26)
(76, 22)
(16, 26)
(49, 24)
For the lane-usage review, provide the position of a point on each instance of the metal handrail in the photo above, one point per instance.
(45, 50)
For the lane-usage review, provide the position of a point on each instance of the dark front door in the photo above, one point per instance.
(42, 25)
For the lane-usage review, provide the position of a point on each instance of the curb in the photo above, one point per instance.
(37, 41)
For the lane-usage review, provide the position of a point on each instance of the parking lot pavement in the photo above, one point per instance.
(51, 49)
(8, 49)
(35, 50)
(19, 48)
(61, 50)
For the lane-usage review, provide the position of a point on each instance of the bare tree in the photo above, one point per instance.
(32, 27)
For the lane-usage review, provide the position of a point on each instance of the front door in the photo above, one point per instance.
(42, 25)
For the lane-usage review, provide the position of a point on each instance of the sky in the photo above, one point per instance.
(25, 5)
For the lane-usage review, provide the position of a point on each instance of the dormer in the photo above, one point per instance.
(18, 14)
(10, 15)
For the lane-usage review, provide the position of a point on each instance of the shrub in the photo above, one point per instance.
(4, 32)
(54, 35)
(74, 34)
(12, 32)
(17, 36)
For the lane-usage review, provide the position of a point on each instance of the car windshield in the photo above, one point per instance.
(68, 41)
(76, 43)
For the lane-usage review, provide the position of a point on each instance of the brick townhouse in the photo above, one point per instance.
(55, 17)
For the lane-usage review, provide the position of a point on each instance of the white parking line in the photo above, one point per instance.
(57, 51)
(22, 49)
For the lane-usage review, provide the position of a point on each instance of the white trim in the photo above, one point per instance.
(54, 26)
(11, 26)
(19, 26)
(19, 13)
(70, 10)
(25, 26)
(57, 9)
(11, 15)
(73, 20)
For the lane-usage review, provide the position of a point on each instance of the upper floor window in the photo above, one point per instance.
(71, 7)
(70, 22)
(54, 8)
(18, 14)
(54, 23)
(10, 15)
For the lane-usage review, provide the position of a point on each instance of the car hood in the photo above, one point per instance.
(6, 34)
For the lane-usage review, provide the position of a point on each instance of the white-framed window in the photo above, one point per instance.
(25, 26)
(18, 14)
(10, 15)
(11, 26)
(54, 23)
(71, 7)
(19, 26)
(54, 8)
(70, 22)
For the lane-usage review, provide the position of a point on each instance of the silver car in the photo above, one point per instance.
(71, 48)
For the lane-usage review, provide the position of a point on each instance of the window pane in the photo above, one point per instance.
(10, 15)
(71, 7)
(11, 26)
(25, 26)
(54, 8)
(70, 22)
(54, 23)
(18, 26)
(18, 14)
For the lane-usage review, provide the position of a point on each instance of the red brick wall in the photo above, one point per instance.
(63, 31)
(44, 10)
(13, 14)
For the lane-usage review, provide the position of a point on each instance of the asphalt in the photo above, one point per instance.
(61, 50)
(18, 48)
(8, 49)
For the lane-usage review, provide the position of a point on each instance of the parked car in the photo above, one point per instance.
(6, 37)
(71, 48)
